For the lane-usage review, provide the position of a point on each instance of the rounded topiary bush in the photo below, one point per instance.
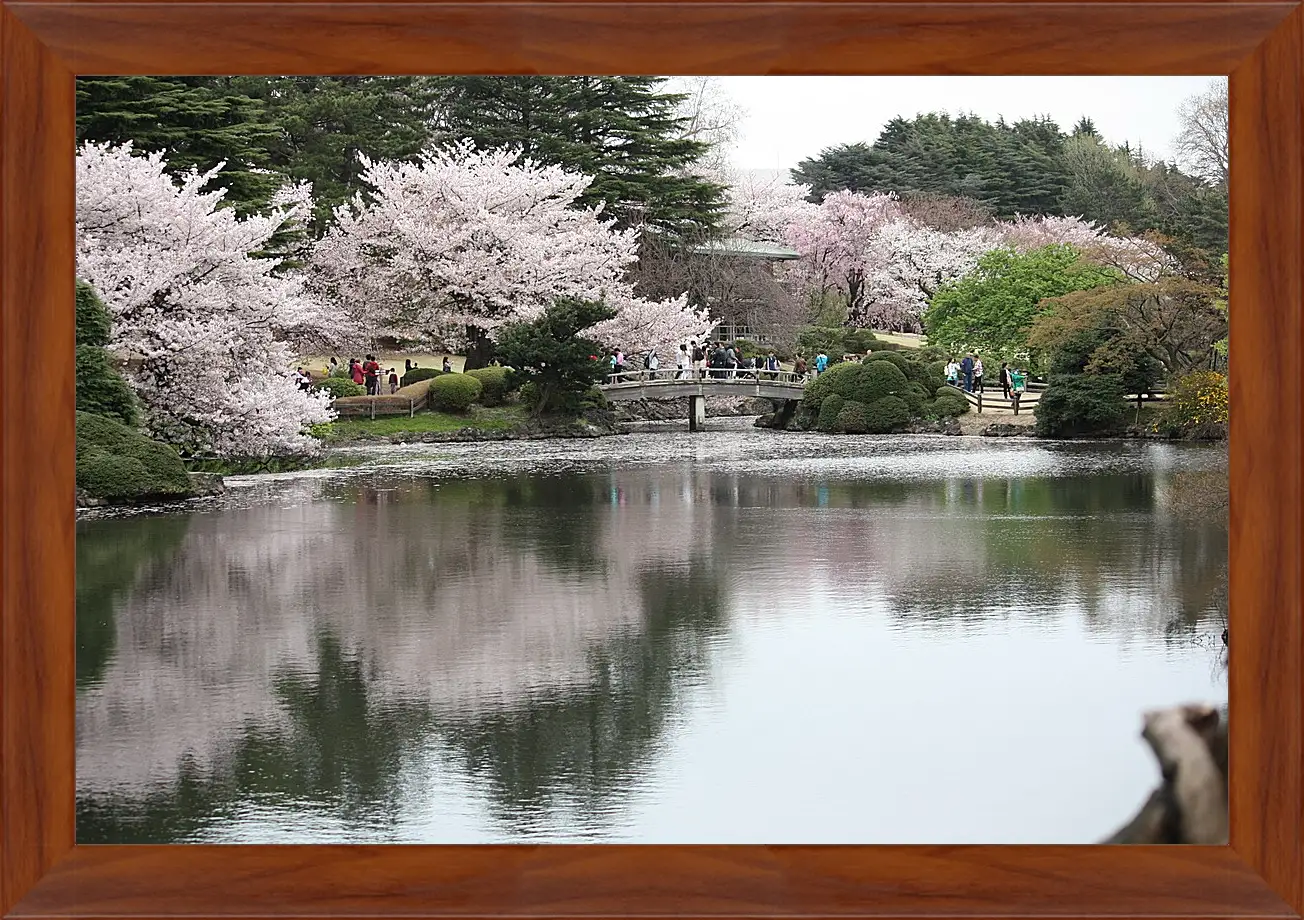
(949, 403)
(829, 409)
(495, 384)
(116, 462)
(339, 387)
(853, 419)
(887, 415)
(454, 392)
(420, 373)
(878, 379)
(1081, 404)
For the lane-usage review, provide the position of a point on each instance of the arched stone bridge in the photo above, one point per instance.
(784, 387)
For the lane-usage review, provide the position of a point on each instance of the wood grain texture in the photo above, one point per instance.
(595, 881)
(36, 461)
(1259, 875)
(1266, 673)
(641, 38)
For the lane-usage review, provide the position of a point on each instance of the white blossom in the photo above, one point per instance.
(203, 323)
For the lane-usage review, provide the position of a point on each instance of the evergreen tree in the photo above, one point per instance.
(101, 389)
(325, 123)
(199, 121)
(621, 130)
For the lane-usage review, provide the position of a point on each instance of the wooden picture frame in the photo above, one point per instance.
(44, 44)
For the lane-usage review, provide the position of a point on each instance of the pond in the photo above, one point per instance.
(738, 636)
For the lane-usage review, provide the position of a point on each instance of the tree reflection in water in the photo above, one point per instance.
(308, 655)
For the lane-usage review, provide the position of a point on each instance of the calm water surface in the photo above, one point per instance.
(736, 636)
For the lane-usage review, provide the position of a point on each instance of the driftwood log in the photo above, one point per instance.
(1190, 805)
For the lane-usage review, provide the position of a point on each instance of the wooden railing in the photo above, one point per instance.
(670, 375)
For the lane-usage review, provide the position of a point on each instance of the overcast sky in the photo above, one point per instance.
(791, 118)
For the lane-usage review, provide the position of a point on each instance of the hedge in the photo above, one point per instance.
(340, 387)
(117, 463)
(887, 415)
(852, 419)
(829, 410)
(454, 392)
(495, 384)
(420, 373)
(949, 403)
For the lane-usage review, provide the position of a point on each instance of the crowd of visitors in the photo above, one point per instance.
(967, 374)
(694, 360)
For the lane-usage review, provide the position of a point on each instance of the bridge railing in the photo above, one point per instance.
(709, 375)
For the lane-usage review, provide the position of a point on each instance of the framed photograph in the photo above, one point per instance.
(66, 849)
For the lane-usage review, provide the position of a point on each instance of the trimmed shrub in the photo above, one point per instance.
(853, 419)
(887, 415)
(880, 345)
(949, 404)
(879, 379)
(829, 410)
(420, 373)
(454, 392)
(495, 384)
(340, 387)
(858, 341)
(93, 319)
(118, 463)
(1081, 404)
(101, 390)
(1196, 407)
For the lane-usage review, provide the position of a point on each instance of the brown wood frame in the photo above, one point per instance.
(42, 46)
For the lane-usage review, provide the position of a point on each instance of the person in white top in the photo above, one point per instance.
(681, 363)
(977, 374)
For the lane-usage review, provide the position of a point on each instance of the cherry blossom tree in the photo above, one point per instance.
(836, 243)
(1137, 258)
(909, 263)
(760, 205)
(203, 323)
(459, 243)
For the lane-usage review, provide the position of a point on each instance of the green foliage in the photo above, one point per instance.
(94, 321)
(454, 392)
(916, 370)
(1081, 404)
(860, 341)
(886, 415)
(495, 384)
(118, 463)
(878, 378)
(100, 388)
(990, 309)
(550, 352)
(199, 121)
(420, 373)
(340, 387)
(830, 409)
(1197, 407)
(949, 403)
(1028, 167)
(620, 130)
(836, 341)
(852, 419)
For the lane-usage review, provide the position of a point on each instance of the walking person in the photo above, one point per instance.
(732, 360)
(1006, 382)
(953, 372)
(699, 361)
(799, 367)
(448, 365)
(393, 381)
(977, 374)
(772, 365)
(355, 372)
(966, 372)
(653, 364)
(821, 363)
(681, 363)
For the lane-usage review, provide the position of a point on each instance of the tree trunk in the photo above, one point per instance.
(1190, 805)
(479, 349)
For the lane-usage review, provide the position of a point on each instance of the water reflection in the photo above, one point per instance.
(553, 643)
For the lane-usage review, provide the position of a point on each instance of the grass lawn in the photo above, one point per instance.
(423, 423)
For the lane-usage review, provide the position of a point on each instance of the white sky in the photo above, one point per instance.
(791, 118)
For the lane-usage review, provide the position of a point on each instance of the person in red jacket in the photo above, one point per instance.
(355, 371)
(371, 370)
